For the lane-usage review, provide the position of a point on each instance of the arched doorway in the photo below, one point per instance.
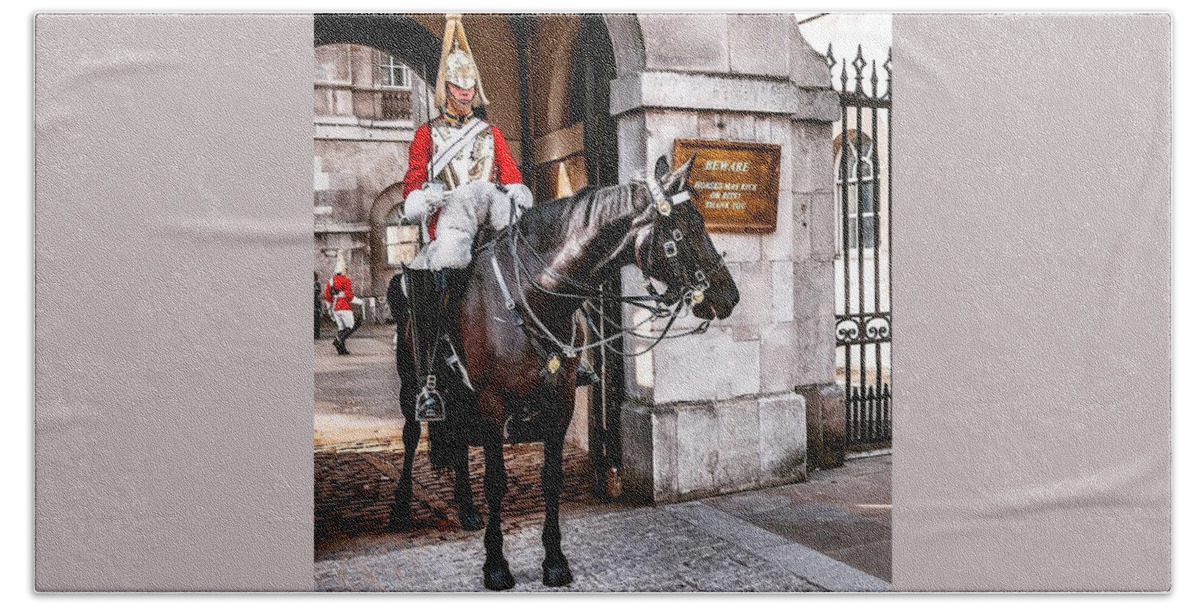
(547, 77)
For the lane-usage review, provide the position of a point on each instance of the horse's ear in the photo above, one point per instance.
(679, 178)
(661, 168)
(686, 169)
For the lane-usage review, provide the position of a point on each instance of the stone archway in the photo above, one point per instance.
(382, 215)
(629, 52)
(547, 77)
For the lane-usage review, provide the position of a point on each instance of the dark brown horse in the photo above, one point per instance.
(515, 318)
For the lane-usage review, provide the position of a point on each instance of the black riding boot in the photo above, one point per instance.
(424, 293)
(454, 286)
(340, 341)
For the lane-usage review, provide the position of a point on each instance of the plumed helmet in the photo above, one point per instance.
(340, 266)
(458, 64)
(460, 69)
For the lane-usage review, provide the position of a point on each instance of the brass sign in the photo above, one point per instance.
(737, 183)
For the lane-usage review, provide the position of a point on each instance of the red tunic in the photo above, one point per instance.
(341, 284)
(504, 168)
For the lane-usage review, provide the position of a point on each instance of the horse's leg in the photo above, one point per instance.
(496, 575)
(401, 518)
(555, 570)
(468, 514)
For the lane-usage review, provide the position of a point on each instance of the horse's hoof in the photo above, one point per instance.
(470, 519)
(557, 574)
(400, 520)
(400, 524)
(498, 579)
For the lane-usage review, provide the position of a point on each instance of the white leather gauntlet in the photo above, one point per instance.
(414, 206)
(521, 195)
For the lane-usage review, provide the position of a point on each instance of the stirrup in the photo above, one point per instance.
(430, 405)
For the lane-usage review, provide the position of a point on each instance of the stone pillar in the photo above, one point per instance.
(722, 412)
(826, 420)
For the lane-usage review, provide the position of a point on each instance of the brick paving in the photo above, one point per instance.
(831, 533)
(353, 494)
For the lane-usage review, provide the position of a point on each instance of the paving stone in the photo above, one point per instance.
(753, 541)
(644, 550)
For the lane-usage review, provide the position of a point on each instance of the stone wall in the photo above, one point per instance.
(348, 177)
(723, 411)
(357, 157)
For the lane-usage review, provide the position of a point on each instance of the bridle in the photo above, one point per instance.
(665, 234)
(668, 304)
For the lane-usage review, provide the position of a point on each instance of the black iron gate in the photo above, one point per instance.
(863, 270)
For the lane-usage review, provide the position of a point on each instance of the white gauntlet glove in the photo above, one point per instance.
(521, 195)
(509, 207)
(422, 202)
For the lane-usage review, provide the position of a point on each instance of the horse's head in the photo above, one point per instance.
(674, 248)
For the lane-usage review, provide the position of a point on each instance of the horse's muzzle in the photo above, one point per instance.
(718, 302)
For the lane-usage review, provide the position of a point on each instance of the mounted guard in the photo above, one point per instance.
(456, 150)
(460, 176)
(516, 323)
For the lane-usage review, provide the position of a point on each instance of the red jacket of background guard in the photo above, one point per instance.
(339, 284)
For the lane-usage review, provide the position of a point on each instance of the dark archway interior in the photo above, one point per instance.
(396, 34)
(593, 67)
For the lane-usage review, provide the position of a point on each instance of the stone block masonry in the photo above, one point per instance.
(719, 412)
(709, 447)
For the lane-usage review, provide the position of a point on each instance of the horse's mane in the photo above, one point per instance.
(589, 209)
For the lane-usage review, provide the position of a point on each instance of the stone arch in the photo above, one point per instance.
(381, 209)
(628, 48)
(399, 35)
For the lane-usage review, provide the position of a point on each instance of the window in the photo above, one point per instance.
(856, 189)
(393, 245)
(401, 244)
(392, 73)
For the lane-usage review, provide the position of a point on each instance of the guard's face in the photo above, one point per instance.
(463, 97)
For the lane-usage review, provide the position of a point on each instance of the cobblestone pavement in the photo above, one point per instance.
(845, 513)
(830, 533)
(641, 549)
(748, 541)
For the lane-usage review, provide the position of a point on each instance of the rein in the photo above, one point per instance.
(660, 305)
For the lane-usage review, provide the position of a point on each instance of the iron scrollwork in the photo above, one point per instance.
(864, 329)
